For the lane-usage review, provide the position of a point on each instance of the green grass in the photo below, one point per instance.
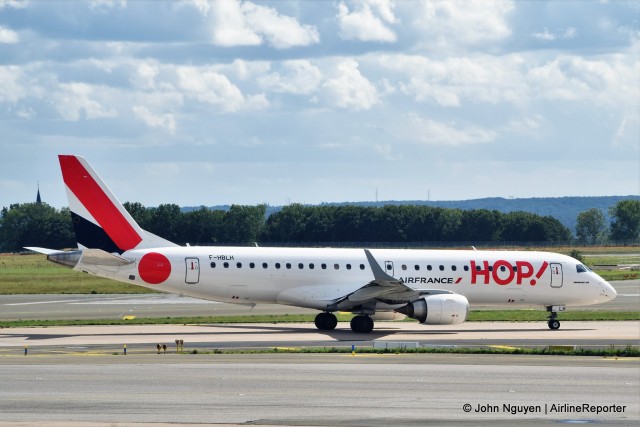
(627, 351)
(33, 274)
(474, 316)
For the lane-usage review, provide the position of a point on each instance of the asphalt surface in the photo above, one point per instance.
(77, 376)
(319, 390)
(15, 307)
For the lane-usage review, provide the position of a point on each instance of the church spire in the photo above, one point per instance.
(38, 199)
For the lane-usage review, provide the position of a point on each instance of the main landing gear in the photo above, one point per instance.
(362, 324)
(326, 321)
(553, 321)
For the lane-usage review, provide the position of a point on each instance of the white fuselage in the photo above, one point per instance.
(315, 278)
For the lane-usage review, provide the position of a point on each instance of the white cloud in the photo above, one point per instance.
(14, 4)
(606, 80)
(75, 98)
(430, 132)
(350, 89)
(210, 87)
(11, 90)
(470, 22)
(547, 36)
(230, 27)
(280, 31)
(165, 120)
(8, 36)
(450, 81)
(202, 6)
(107, 4)
(299, 77)
(367, 20)
(145, 75)
(247, 24)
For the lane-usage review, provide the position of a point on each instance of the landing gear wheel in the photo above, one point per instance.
(326, 321)
(554, 324)
(362, 324)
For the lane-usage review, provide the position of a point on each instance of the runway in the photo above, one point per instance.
(15, 307)
(319, 390)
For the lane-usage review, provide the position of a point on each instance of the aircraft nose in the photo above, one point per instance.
(608, 291)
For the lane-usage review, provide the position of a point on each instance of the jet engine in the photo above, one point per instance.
(440, 309)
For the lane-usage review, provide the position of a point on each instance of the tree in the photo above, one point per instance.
(590, 226)
(244, 224)
(625, 224)
(35, 224)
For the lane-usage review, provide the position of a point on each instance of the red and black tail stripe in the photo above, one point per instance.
(113, 229)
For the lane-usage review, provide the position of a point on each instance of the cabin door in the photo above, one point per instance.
(556, 275)
(193, 270)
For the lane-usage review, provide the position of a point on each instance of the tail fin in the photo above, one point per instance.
(99, 220)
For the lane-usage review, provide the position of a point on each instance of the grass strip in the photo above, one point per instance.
(627, 351)
(477, 316)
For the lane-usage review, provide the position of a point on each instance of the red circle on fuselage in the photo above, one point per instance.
(154, 268)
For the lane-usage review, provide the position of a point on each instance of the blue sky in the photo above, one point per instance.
(201, 102)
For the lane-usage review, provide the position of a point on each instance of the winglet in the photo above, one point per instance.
(378, 272)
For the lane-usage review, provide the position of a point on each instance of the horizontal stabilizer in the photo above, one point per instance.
(44, 251)
(100, 257)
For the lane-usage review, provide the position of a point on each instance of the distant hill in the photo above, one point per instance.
(564, 209)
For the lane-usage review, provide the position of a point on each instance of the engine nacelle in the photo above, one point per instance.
(387, 315)
(441, 309)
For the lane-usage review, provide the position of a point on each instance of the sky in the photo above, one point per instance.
(200, 102)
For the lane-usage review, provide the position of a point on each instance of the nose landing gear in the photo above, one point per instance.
(553, 321)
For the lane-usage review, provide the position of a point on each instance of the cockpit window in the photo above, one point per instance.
(581, 268)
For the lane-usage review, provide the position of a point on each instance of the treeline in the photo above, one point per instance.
(33, 224)
(298, 223)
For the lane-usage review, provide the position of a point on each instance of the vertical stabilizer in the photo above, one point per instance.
(99, 219)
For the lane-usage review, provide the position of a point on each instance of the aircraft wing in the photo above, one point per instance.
(383, 288)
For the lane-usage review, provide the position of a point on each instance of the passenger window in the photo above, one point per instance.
(239, 265)
(277, 265)
(323, 266)
(348, 266)
(454, 268)
(336, 266)
(441, 268)
(252, 265)
(300, 266)
(515, 268)
(503, 268)
(417, 267)
(213, 265)
(478, 268)
(288, 265)
(429, 267)
(466, 268)
(264, 265)
(361, 266)
(226, 265)
(311, 266)
(404, 267)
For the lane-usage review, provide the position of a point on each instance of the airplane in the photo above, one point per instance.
(434, 287)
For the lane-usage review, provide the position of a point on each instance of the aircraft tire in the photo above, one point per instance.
(554, 324)
(326, 321)
(362, 324)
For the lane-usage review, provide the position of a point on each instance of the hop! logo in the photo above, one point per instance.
(503, 272)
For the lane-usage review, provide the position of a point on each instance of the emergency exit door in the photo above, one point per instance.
(193, 270)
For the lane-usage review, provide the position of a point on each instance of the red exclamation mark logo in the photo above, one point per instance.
(540, 272)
